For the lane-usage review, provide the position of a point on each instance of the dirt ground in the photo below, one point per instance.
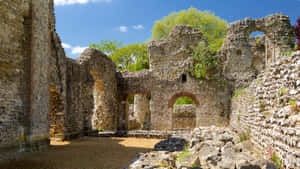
(85, 153)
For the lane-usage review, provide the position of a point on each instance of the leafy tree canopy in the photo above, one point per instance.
(184, 100)
(132, 57)
(212, 27)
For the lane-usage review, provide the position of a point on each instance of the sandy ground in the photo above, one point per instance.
(86, 153)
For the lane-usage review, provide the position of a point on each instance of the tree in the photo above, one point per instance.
(132, 57)
(204, 62)
(212, 27)
(107, 46)
(297, 32)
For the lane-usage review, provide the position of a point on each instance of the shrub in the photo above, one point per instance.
(276, 160)
(204, 61)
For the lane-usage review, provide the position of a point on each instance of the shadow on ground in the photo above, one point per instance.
(86, 153)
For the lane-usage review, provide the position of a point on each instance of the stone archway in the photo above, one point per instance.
(183, 116)
(181, 94)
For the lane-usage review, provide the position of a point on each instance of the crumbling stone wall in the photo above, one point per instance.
(236, 54)
(168, 78)
(25, 53)
(96, 65)
(139, 112)
(269, 110)
(184, 117)
(75, 107)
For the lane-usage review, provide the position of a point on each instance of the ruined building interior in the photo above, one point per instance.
(45, 95)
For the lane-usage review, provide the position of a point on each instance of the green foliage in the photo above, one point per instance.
(184, 154)
(131, 100)
(184, 100)
(211, 26)
(204, 62)
(257, 41)
(107, 46)
(132, 57)
(283, 90)
(239, 92)
(244, 136)
(100, 129)
(276, 160)
(161, 164)
(288, 53)
(292, 103)
(195, 166)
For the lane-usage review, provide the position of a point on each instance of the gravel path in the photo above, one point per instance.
(85, 153)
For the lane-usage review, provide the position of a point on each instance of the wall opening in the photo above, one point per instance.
(56, 117)
(183, 111)
(138, 112)
(184, 100)
(259, 43)
(183, 78)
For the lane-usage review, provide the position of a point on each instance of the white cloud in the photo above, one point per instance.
(123, 28)
(71, 2)
(138, 27)
(67, 46)
(75, 50)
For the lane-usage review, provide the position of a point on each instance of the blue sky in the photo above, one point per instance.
(82, 22)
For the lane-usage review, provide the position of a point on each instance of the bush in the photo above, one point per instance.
(204, 62)
(276, 160)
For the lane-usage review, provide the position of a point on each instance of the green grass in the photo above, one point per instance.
(277, 161)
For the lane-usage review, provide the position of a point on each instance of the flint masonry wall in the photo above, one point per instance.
(269, 109)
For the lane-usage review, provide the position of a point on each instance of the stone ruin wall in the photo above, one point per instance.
(269, 110)
(236, 54)
(24, 91)
(184, 116)
(43, 94)
(103, 94)
(168, 79)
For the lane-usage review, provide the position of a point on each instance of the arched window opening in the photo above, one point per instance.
(184, 112)
(261, 56)
(183, 78)
(184, 100)
(138, 112)
(257, 34)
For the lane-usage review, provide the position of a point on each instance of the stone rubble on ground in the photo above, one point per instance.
(208, 148)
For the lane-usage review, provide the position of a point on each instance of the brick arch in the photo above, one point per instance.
(182, 94)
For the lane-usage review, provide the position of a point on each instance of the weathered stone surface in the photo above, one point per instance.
(268, 110)
(204, 154)
(240, 61)
(168, 79)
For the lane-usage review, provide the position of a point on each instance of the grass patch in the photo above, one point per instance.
(276, 160)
